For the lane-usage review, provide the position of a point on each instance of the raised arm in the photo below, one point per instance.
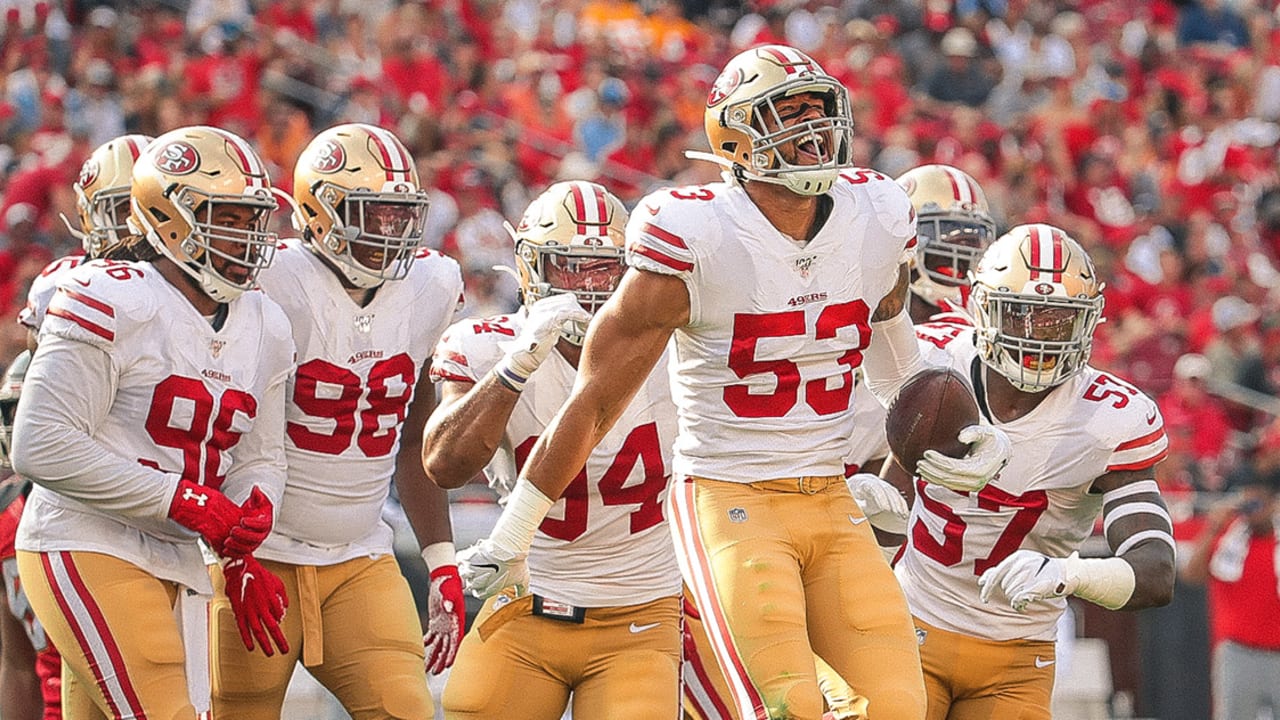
(465, 430)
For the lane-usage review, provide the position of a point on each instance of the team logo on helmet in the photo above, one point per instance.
(88, 173)
(724, 86)
(177, 158)
(330, 158)
(1044, 288)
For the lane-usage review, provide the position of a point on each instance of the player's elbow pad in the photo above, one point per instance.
(892, 358)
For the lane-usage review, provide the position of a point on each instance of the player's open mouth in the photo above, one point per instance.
(812, 147)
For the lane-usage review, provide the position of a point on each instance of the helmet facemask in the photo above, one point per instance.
(201, 211)
(105, 218)
(590, 273)
(827, 139)
(373, 236)
(948, 246)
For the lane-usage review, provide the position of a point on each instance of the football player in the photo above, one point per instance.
(987, 572)
(602, 587)
(954, 226)
(769, 283)
(102, 202)
(155, 403)
(367, 307)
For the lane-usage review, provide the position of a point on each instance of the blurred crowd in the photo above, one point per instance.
(1148, 130)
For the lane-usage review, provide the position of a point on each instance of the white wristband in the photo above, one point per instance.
(526, 507)
(892, 358)
(438, 555)
(1108, 582)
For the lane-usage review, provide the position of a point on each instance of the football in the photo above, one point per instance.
(929, 412)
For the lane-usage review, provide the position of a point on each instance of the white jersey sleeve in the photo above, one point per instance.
(42, 289)
(469, 348)
(54, 435)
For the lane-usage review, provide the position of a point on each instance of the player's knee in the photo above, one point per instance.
(407, 700)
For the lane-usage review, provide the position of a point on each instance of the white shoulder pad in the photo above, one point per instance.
(435, 272)
(42, 288)
(663, 225)
(469, 348)
(102, 301)
(892, 207)
(1127, 420)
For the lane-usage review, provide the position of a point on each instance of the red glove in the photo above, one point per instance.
(446, 618)
(205, 510)
(231, 530)
(258, 600)
(255, 525)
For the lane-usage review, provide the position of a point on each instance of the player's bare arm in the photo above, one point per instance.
(1139, 531)
(425, 504)
(463, 433)
(626, 339)
(895, 302)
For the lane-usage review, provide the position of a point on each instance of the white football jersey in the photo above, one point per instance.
(1090, 425)
(42, 288)
(180, 398)
(763, 372)
(357, 370)
(605, 543)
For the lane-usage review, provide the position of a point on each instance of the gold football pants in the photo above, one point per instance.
(970, 678)
(354, 627)
(785, 569)
(114, 624)
(620, 663)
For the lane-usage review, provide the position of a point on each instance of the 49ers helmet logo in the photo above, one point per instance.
(329, 158)
(177, 158)
(724, 87)
(88, 173)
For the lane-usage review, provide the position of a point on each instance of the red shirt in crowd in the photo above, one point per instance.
(1245, 611)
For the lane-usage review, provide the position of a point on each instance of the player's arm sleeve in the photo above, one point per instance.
(259, 459)
(657, 242)
(66, 395)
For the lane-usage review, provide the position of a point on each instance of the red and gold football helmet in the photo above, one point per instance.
(1036, 302)
(359, 203)
(182, 180)
(102, 195)
(747, 133)
(571, 240)
(954, 227)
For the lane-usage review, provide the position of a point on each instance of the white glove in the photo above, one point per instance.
(542, 326)
(880, 501)
(486, 568)
(989, 452)
(1025, 577)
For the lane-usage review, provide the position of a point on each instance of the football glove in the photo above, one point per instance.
(486, 568)
(880, 501)
(255, 524)
(989, 451)
(447, 617)
(543, 324)
(258, 600)
(1027, 576)
(212, 514)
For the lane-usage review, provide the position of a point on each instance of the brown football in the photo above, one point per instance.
(929, 412)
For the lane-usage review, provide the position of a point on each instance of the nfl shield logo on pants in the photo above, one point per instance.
(737, 515)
